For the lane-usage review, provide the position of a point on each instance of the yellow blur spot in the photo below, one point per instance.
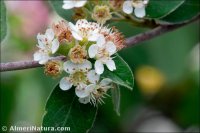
(149, 79)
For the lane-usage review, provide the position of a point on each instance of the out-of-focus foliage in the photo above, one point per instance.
(65, 14)
(3, 21)
(149, 79)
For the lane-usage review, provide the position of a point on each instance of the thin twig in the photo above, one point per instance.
(136, 40)
(19, 65)
(132, 41)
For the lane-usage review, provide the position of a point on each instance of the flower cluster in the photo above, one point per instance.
(89, 47)
(102, 11)
(137, 5)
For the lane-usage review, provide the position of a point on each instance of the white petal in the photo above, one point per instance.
(41, 37)
(43, 61)
(93, 37)
(50, 34)
(73, 27)
(68, 4)
(69, 67)
(92, 51)
(84, 100)
(105, 82)
(111, 65)
(81, 92)
(140, 12)
(93, 77)
(37, 56)
(80, 3)
(65, 84)
(127, 7)
(41, 41)
(68, 1)
(85, 66)
(99, 68)
(55, 46)
(81, 23)
(90, 88)
(111, 48)
(41, 45)
(41, 57)
(145, 2)
(101, 41)
(77, 36)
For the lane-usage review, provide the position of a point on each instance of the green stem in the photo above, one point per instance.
(139, 22)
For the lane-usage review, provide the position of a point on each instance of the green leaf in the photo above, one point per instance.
(3, 21)
(123, 75)
(64, 110)
(115, 94)
(65, 14)
(188, 10)
(161, 8)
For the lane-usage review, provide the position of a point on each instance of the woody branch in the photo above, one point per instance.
(130, 42)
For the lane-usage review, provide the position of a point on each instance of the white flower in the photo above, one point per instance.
(69, 4)
(79, 76)
(96, 91)
(102, 52)
(47, 45)
(84, 30)
(138, 5)
(41, 56)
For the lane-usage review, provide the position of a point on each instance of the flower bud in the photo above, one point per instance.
(116, 4)
(79, 13)
(116, 37)
(101, 14)
(78, 54)
(62, 31)
(53, 68)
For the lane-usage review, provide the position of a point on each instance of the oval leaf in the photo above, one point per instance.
(161, 8)
(3, 21)
(64, 110)
(65, 14)
(188, 10)
(122, 75)
(115, 94)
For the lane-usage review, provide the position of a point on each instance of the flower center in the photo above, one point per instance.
(102, 53)
(84, 32)
(78, 54)
(101, 14)
(52, 68)
(65, 35)
(78, 77)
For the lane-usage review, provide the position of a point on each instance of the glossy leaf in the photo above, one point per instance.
(3, 21)
(161, 8)
(123, 75)
(188, 10)
(65, 14)
(115, 94)
(64, 110)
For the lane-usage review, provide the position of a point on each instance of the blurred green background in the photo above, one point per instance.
(166, 71)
